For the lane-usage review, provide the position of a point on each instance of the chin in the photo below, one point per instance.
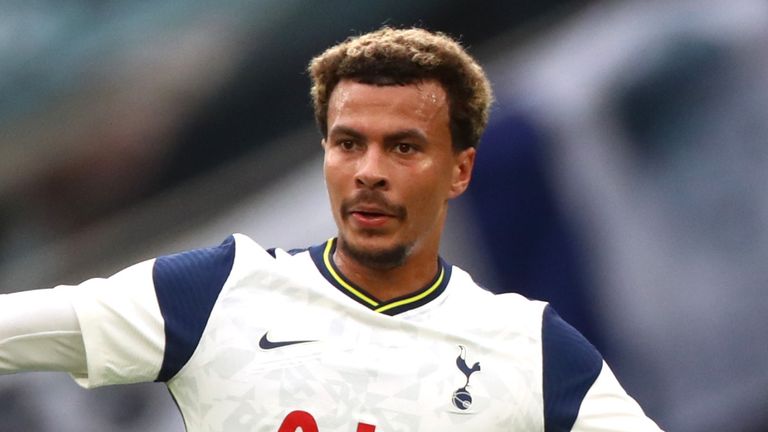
(374, 252)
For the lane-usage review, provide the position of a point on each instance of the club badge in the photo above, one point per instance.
(462, 399)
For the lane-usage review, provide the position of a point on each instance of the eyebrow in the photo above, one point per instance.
(345, 130)
(396, 136)
(407, 134)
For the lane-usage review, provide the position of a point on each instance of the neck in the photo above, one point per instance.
(416, 272)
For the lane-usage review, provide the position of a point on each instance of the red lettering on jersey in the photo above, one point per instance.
(303, 420)
(298, 419)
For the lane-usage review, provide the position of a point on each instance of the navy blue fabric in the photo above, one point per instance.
(273, 251)
(187, 285)
(570, 366)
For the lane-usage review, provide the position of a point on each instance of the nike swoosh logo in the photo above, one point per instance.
(266, 344)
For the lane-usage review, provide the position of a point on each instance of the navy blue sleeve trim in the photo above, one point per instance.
(187, 285)
(570, 366)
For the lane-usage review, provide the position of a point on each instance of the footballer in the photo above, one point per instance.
(369, 331)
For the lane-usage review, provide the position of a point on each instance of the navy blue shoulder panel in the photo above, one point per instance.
(273, 251)
(187, 285)
(570, 366)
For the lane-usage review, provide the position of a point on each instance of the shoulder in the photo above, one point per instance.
(555, 333)
(199, 275)
(570, 367)
(506, 308)
(188, 285)
(210, 263)
(569, 364)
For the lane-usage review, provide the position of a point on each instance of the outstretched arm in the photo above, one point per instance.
(114, 330)
(39, 331)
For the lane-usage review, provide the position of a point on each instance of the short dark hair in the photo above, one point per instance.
(404, 56)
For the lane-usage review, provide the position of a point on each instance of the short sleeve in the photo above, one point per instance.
(570, 366)
(607, 407)
(187, 286)
(144, 323)
(580, 391)
(121, 325)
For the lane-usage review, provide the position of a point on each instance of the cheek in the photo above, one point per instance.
(330, 176)
(338, 180)
(428, 191)
(332, 169)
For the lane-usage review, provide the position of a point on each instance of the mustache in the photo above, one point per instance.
(375, 199)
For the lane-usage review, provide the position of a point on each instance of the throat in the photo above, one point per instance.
(396, 275)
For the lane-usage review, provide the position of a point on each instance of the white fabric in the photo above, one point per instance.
(397, 373)
(357, 367)
(122, 327)
(114, 323)
(39, 331)
(607, 407)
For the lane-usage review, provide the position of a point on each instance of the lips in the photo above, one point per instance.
(370, 217)
(371, 210)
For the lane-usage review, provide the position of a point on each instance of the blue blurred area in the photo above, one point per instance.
(533, 249)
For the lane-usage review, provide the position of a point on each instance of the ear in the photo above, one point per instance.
(464, 161)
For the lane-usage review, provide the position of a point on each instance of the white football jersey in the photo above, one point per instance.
(254, 340)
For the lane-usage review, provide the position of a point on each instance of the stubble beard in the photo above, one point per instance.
(379, 259)
(382, 258)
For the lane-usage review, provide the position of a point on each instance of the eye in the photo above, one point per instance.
(405, 148)
(346, 144)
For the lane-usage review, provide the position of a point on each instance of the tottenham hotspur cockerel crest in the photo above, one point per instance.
(462, 399)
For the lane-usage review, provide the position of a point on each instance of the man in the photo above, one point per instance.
(369, 331)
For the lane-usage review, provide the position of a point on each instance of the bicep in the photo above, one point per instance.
(39, 331)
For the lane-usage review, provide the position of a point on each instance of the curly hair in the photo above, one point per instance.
(405, 56)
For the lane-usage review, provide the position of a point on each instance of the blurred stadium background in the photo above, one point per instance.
(623, 178)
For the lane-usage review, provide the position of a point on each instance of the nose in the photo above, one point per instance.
(371, 172)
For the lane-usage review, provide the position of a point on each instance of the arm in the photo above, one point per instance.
(580, 391)
(103, 331)
(607, 407)
(141, 324)
(39, 331)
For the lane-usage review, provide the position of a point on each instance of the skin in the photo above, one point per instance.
(391, 169)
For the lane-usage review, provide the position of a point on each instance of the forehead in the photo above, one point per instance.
(424, 103)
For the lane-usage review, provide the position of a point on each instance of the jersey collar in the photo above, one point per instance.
(322, 255)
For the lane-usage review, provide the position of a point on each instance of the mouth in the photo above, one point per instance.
(371, 211)
(370, 218)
